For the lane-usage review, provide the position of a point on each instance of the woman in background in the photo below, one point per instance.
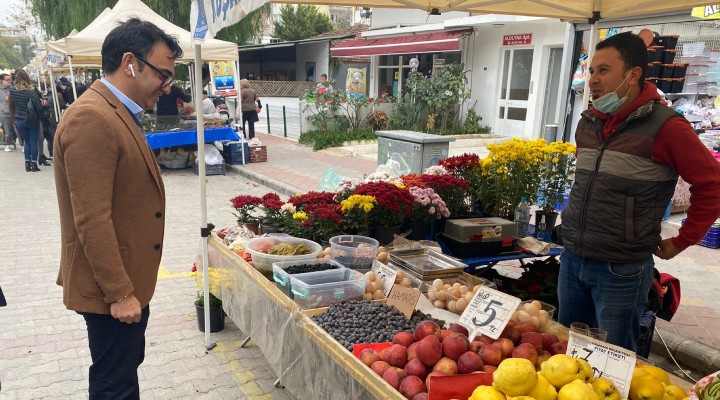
(23, 92)
(248, 106)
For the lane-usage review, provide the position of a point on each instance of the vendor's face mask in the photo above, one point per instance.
(609, 103)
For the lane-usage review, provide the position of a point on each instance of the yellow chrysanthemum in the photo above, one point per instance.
(300, 216)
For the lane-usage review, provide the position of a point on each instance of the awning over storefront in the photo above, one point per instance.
(407, 44)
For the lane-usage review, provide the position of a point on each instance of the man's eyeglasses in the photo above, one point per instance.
(167, 78)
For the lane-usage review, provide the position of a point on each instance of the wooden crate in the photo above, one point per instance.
(258, 154)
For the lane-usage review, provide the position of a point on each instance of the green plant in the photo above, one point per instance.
(472, 121)
(441, 93)
(405, 113)
(200, 300)
(352, 106)
(378, 120)
(556, 173)
(324, 139)
(326, 106)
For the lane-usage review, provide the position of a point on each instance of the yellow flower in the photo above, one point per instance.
(300, 215)
(363, 202)
(555, 160)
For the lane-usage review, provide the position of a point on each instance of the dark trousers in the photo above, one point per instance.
(250, 117)
(117, 350)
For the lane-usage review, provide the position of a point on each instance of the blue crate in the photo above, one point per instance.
(712, 238)
(232, 152)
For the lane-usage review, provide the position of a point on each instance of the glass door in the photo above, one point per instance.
(552, 85)
(515, 89)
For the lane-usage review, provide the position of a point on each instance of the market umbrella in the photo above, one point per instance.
(205, 21)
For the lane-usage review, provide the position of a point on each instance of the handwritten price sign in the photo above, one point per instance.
(488, 312)
(606, 360)
(386, 276)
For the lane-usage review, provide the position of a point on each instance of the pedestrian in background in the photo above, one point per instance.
(25, 94)
(249, 107)
(111, 199)
(5, 116)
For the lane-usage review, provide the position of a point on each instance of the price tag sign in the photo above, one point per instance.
(488, 312)
(386, 276)
(606, 360)
(404, 299)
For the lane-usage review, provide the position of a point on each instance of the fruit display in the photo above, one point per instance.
(305, 268)
(532, 312)
(707, 388)
(652, 383)
(454, 298)
(373, 288)
(366, 322)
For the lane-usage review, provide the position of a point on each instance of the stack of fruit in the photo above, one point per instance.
(454, 298)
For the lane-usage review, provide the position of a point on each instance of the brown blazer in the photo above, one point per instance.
(112, 204)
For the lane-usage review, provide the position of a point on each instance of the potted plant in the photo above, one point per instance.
(556, 174)
(426, 208)
(271, 206)
(393, 208)
(356, 214)
(466, 166)
(323, 222)
(246, 208)
(217, 315)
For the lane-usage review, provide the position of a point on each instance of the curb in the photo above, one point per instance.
(688, 353)
(270, 183)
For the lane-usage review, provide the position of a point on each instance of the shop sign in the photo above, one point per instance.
(223, 75)
(706, 12)
(607, 361)
(517, 39)
(404, 299)
(488, 312)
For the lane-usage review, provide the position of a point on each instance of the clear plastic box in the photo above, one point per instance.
(354, 251)
(282, 278)
(263, 262)
(545, 306)
(325, 288)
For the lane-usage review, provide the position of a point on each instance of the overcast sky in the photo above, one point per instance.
(5, 7)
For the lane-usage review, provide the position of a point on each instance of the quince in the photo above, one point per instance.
(522, 398)
(577, 390)
(656, 372)
(676, 392)
(587, 370)
(562, 369)
(543, 390)
(486, 393)
(646, 388)
(605, 389)
(515, 376)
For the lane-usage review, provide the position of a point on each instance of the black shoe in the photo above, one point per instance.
(42, 160)
(34, 166)
(27, 166)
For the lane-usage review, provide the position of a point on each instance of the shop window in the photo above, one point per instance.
(390, 60)
(388, 81)
(517, 114)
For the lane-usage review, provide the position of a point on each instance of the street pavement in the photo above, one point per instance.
(43, 347)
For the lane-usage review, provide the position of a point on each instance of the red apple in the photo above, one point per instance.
(459, 329)
(526, 350)
(404, 338)
(548, 339)
(454, 345)
(426, 328)
(421, 396)
(379, 367)
(526, 327)
(412, 351)
(490, 354)
(506, 346)
(429, 350)
(369, 356)
(559, 347)
(393, 376)
(474, 346)
(511, 333)
(469, 362)
(445, 333)
(412, 386)
(395, 355)
(447, 366)
(417, 368)
(489, 368)
(534, 339)
(542, 357)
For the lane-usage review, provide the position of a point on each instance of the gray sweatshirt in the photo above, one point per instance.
(4, 104)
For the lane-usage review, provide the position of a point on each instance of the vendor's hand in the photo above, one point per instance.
(127, 310)
(666, 249)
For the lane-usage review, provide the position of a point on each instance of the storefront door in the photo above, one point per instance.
(552, 85)
(515, 89)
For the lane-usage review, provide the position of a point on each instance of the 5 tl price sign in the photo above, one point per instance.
(606, 360)
(488, 312)
(387, 277)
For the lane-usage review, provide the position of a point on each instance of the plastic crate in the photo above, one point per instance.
(210, 169)
(232, 152)
(711, 238)
(325, 288)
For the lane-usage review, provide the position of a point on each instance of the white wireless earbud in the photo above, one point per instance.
(132, 71)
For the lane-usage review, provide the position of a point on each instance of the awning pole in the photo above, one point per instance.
(591, 53)
(72, 77)
(56, 106)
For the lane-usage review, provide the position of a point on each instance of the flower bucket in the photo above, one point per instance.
(217, 318)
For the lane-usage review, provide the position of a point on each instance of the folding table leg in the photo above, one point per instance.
(245, 342)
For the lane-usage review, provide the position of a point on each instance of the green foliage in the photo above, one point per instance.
(10, 57)
(59, 17)
(405, 113)
(200, 300)
(337, 111)
(301, 22)
(323, 139)
(441, 94)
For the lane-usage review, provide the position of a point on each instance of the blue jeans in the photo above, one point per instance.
(30, 134)
(606, 295)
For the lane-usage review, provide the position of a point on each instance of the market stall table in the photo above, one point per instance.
(490, 261)
(159, 140)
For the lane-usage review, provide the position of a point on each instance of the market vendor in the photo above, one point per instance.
(167, 105)
(631, 149)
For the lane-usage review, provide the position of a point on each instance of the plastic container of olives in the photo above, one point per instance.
(263, 261)
(281, 276)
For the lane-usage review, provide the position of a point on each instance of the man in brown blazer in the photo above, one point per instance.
(112, 204)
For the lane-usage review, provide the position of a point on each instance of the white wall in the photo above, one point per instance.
(318, 52)
(392, 17)
(482, 55)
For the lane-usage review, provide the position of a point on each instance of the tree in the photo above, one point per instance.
(301, 22)
(59, 17)
(13, 57)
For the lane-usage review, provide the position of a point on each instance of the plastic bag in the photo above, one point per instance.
(330, 181)
(173, 159)
(391, 171)
(212, 155)
(254, 142)
(578, 82)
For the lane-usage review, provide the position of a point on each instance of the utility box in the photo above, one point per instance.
(420, 150)
(550, 133)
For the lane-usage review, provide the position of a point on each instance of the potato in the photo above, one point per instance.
(523, 317)
(476, 288)
(531, 309)
(327, 251)
(439, 304)
(399, 276)
(442, 295)
(468, 296)
(371, 276)
(383, 257)
(406, 282)
(537, 304)
(375, 286)
(367, 296)
(377, 295)
(437, 284)
(363, 245)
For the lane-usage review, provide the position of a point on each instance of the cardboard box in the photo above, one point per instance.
(258, 154)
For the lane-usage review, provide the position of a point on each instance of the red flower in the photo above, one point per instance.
(459, 165)
(245, 200)
(272, 201)
(370, 100)
(443, 182)
(301, 201)
(321, 90)
(394, 203)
